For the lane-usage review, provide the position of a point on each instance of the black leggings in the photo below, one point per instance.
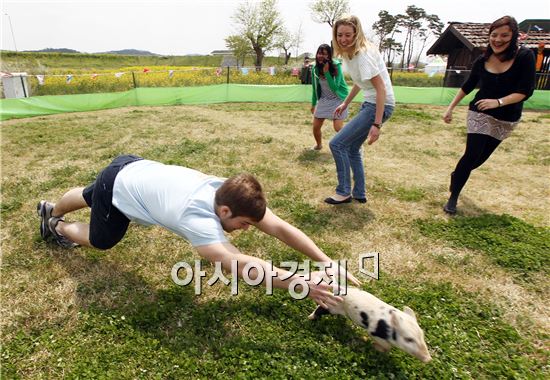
(478, 149)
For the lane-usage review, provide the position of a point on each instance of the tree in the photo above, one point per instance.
(328, 10)
(391, 48)
(240, 47)
(260, 23)
(285, 42)
(411, 22)
(418, 25)
(434, 27)
(384, 27)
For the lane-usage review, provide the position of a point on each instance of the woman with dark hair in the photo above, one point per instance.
(506, 78)
(329, 89)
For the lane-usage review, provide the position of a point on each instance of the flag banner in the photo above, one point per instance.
(146, 70)
(272, 70)
(40, 79)
(170, 73)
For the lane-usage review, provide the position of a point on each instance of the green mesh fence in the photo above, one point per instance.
(47, 105)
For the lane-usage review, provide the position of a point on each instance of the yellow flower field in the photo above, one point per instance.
(87, 81)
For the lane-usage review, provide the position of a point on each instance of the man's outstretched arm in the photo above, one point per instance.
(225, 253)
(273, 225)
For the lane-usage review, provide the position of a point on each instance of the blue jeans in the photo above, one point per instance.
(346, 149)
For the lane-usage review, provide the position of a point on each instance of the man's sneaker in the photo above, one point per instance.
(61, 240)
(44, 210)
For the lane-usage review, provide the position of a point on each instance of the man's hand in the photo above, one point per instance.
(334, 271)
(322, 293)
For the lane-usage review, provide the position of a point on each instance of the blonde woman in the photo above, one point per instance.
(366, 67)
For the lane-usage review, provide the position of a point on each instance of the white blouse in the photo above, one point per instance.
(363, 67)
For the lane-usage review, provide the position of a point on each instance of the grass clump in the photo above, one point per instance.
(304, 215)
(409, 194)
(508, 241)
(405, 113)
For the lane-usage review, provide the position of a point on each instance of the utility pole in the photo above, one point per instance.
(12, 34)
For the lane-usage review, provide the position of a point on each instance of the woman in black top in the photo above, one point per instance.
(506, 78)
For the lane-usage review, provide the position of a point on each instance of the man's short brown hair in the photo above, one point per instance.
(243, 195)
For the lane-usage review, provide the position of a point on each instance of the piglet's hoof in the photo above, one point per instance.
(378, 347)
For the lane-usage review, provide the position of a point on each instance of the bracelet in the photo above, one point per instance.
(500, 102)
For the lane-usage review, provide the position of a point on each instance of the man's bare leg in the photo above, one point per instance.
(72, 200)
(77, 232)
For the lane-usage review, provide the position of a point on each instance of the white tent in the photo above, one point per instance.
(436, 66)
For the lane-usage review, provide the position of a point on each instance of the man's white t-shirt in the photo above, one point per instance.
(363, 67)
(174, 197)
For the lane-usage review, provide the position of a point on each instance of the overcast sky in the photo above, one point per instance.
(178, 27)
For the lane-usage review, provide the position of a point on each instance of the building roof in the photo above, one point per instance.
(540, 25)
(221, 52)
(473, 35)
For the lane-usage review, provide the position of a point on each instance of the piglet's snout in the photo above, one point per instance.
(425, 358)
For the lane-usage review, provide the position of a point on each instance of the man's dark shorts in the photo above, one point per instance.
(107, 224)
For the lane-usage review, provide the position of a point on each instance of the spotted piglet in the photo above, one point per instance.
(384, 323)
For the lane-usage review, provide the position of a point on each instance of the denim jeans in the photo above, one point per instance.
(346, 150)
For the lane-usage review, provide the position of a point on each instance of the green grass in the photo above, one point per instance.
(116, 314)
(40, 63)
(413, 194)
(255, 336)
(508, 241)
(407, 112)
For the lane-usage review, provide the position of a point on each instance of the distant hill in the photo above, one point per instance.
(53, 50)
(128, 52)
(119, 52)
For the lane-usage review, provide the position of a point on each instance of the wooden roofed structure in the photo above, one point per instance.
(463, 42)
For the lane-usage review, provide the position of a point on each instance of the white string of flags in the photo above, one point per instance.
(41, 78)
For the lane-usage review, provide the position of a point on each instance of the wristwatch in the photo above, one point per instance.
(377, 125)
(500, 102)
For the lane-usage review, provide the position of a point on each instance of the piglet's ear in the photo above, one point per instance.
(409, 311)
(394, 320)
